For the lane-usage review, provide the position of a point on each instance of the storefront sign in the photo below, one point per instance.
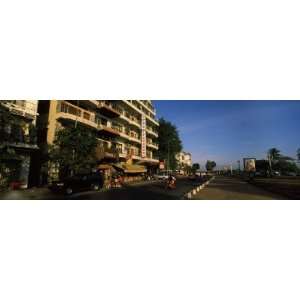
(144, 137)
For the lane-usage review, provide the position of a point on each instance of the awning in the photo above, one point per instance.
(127, 168)
(104, 167)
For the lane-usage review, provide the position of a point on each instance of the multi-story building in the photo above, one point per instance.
(18, 139)
(184, 160)
(126, 129)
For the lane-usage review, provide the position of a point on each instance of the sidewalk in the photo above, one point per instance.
(30, 194)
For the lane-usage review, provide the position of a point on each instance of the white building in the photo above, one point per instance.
(184, 160)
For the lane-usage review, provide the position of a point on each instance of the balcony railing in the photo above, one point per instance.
(17, 137)
(19, 109)
(109, 109)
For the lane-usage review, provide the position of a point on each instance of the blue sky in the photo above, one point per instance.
(227, 131)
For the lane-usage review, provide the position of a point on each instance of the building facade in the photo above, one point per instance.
(18, 143)
(127, 130)
(184, 160)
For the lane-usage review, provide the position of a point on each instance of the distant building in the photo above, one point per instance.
(184, 160)
(18, 140)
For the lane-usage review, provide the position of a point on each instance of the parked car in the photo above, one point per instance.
(291, 174)
(259, 174)
(92, 181)
(162, 175)
(276, 173)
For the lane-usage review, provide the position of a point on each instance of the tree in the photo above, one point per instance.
(169, 143)
(285, 166)
(281, 162)
(210, 165)
(195, 167)
(274, 154)
(298, 154)
(73, 150)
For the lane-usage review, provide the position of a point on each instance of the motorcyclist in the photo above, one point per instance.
(171, 184)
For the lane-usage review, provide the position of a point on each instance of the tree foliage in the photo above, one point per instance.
(169, 143)
(298, 154)
(282, 163)
(274, 154)
(210, 165)
(74, 150)
(195, 167)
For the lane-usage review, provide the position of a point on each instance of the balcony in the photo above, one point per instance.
(103, 150)
(71, 113)
(108, 131)
(18, 137)
(152, 145)
(19, 110)
(88, 104)
(150, 131)
(108, 109)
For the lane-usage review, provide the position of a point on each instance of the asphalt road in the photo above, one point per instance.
(227, 188)
(142, 191)
(138, 191)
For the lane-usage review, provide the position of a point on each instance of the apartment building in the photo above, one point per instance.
(126, 129)
(184, 160)
(18, 142)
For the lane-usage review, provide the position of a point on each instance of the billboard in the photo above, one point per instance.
(249, 164)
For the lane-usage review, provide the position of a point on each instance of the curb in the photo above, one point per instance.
(194, 191)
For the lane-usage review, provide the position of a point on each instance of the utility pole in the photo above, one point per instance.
(270, 162)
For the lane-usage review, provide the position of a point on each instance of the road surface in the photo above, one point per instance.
(227, 188)
(143, 190)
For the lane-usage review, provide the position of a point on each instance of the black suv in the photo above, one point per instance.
(81, 182)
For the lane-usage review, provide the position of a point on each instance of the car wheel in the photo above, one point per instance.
(95, 187)
(69, 191)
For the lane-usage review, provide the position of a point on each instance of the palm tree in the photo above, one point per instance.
(274, 154)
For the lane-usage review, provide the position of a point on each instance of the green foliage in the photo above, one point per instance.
(187, 169)
(285, 166)
(274, 154)
(74, 150)
(282, 163)
(169, 142)
(195, 167)
(210, 165)
(298, 154)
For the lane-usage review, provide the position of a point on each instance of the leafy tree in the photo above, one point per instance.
(210, 165)
(298, 154)
(285, 166)
(187, 169)
(195, 167)
(169, 143)
(11, 131)
(274, 154)
(73, 150)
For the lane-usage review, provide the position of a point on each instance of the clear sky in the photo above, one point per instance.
(227, 131)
